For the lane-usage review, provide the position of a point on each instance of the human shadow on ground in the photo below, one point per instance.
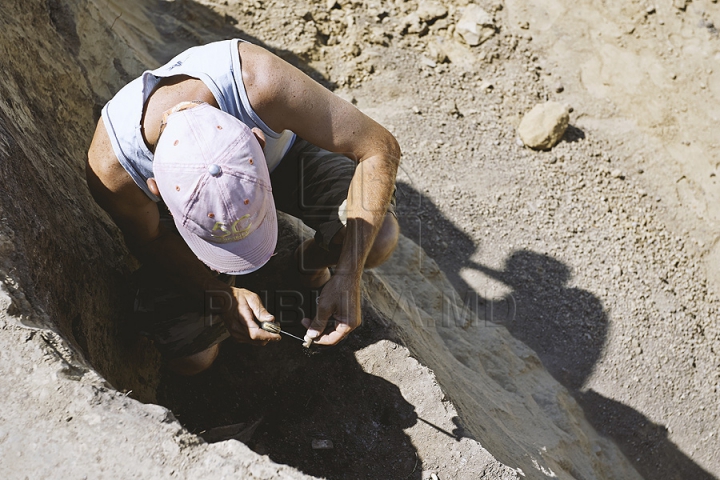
(566, 326)
(292, 398)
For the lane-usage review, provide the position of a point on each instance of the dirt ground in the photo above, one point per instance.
(614, 277)
(601, 255)
(607, 245)
(382, 412)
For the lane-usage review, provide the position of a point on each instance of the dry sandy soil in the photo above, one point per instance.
(614, 277)
(600, 255)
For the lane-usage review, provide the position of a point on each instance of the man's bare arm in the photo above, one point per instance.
(285, 98)
(138, 218)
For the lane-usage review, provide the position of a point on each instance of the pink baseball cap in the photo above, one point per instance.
(212, 175)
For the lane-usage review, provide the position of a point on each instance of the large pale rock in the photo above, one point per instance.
(543, 126)
(475, 26)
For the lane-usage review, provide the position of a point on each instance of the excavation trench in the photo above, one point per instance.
(424, 386)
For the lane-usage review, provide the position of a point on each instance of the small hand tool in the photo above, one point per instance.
(275, 328)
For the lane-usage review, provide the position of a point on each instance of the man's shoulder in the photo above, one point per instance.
(102, 160)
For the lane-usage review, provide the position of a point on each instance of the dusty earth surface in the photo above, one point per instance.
(607, 246)
(600, 255)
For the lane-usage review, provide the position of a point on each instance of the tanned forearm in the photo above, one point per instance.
(369, 195)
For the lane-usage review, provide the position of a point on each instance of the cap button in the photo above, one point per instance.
(214, 170)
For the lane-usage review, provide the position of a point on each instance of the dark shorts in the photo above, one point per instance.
(311, 184)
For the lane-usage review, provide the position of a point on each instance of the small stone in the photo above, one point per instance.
(331, 4)
(318, 444)
(436, 53)
(559, 88)
(412, 24)
(430, 11)
(416, 110)
(450, 108)
(486, 85)
(617, 173)
(427, 62)
(543, 126)
(475, 26)
(616, 271)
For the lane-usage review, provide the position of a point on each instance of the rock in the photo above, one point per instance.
(543, 126)
(430, 11)
(427, 61)
(318, 444)
(475, 26)
(486, 85)
(458, 54)
(617, 173)
(412, 24)
(680, 4)
(436, 53)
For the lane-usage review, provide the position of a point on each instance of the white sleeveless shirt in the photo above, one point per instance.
(217, 65)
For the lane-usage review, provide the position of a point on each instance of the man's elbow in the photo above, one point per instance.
(393, 152)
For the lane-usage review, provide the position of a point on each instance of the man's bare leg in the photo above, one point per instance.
(314, 261)
(196, 363)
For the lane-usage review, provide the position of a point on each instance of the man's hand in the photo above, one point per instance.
(243, 317)
(339, 301)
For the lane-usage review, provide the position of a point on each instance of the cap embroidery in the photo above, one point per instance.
(234, 233)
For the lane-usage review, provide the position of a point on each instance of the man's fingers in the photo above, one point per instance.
(320, 322)
(256, 334)
(334, 337)
(258, 309)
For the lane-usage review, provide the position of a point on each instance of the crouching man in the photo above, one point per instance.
(193, 159)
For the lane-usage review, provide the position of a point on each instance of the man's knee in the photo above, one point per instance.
(385, 242)
(196, 363)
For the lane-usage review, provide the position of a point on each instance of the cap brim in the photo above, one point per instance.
(237, 258)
